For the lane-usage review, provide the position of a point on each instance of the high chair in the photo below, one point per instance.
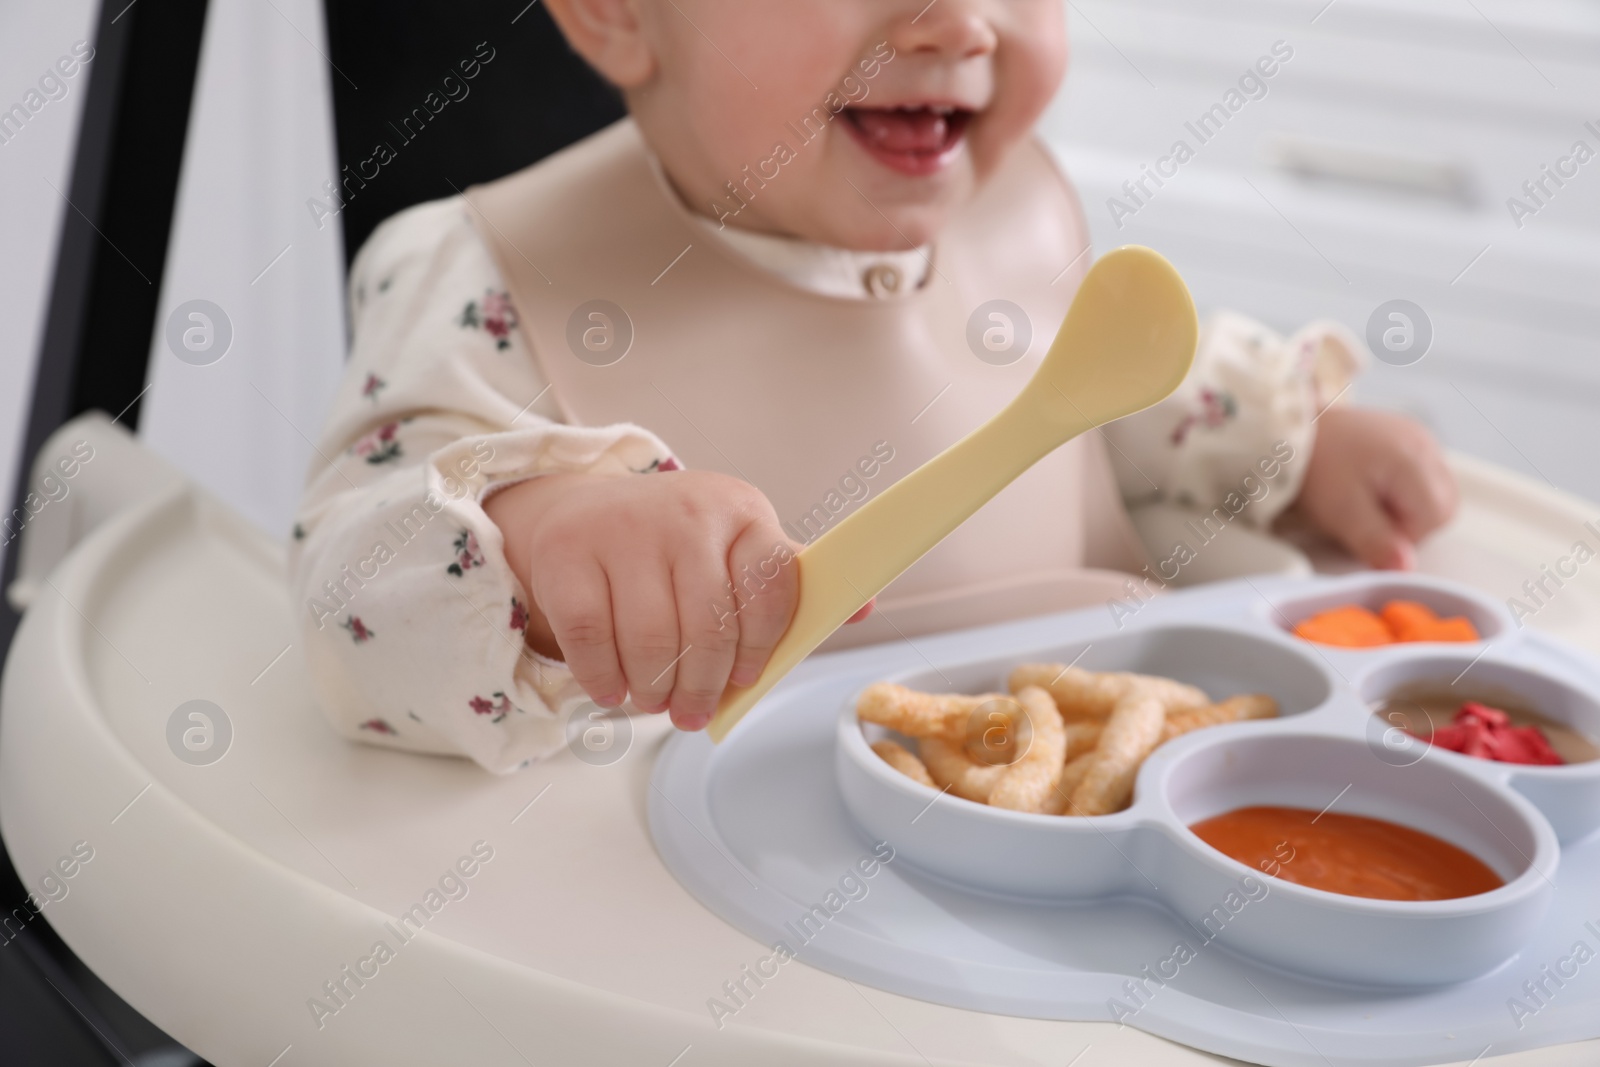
(155, 713)
(222, 896)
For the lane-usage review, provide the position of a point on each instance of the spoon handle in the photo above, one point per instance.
(853, 562)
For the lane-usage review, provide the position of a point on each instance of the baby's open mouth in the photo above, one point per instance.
(913, 140)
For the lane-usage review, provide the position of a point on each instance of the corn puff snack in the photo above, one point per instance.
(898, 757)
(1079, 694)
(1133, 729)
(1069, 742)
(1234, 709)
(1082, 736)
(917, 714)
(952, 769)
(998, 731)
(1057, 802)
(1028, 783)
(1082, 694)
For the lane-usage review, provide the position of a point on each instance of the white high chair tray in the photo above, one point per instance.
(220, 899)
(758, 829)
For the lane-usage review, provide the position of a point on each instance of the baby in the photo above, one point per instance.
(594, 409)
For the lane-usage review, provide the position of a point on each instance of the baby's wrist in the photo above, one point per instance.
(517, 506)
(517, 510)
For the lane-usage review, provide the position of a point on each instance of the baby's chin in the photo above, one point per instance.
(883, 227)
(854, 204)
(889, 214)
(835, 221)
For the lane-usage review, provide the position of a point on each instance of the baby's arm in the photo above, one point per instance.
(1259, 426)
(412, 621)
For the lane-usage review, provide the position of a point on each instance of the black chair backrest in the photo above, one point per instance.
(432, 96)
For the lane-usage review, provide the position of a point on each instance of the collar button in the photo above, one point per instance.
(883, 280)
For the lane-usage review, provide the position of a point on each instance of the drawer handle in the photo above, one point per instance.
(1351, 165)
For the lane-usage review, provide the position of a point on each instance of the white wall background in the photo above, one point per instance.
(1487, 90)
(260, 143)
(32, 37)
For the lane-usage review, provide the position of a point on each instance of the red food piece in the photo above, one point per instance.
(1483, 713)
(1525, 744)
(1486, 733)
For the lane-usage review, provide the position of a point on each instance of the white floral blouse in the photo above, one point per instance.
(414, 623)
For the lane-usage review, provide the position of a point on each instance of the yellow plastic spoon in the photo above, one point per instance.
(1126, 343)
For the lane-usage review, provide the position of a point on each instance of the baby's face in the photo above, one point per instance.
(857, 123)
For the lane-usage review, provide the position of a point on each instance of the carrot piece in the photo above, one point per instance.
(1411, 621)
(1350, 626)
(1407, 619)
(1457, 628)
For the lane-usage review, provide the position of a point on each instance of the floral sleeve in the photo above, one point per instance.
(1239, 430)
(412, 622)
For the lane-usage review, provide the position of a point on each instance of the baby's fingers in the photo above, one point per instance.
(1422, 495)
(711, 635)
(648, 641)
(863, 611)
(1364, 527)
(765, 583)
(577, 604)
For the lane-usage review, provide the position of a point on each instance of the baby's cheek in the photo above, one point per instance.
(1029, 66)
(735, 126)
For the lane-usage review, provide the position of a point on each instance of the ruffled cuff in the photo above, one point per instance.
(416, 624)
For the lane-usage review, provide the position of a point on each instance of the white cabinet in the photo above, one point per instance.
(1374, 163)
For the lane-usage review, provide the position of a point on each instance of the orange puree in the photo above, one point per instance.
(1349, 854)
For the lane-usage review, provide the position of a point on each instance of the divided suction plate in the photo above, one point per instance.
(1129, 917)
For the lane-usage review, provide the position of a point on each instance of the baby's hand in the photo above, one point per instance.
(1377, 484)
(630, 579)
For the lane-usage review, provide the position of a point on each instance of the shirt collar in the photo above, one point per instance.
(825, 269)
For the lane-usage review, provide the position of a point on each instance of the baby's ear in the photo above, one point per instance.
(610, 36)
